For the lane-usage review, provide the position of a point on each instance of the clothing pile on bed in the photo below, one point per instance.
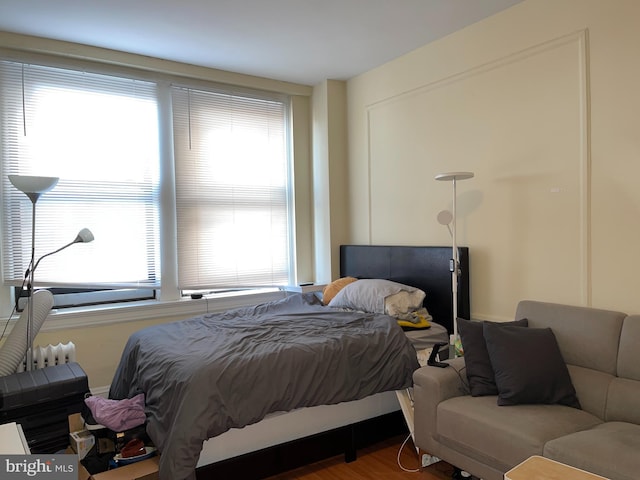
(402, 302)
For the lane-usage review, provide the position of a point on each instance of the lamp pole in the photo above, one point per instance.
(454, 265)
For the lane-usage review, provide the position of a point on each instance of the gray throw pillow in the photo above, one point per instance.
(528, 366)
(476, 357)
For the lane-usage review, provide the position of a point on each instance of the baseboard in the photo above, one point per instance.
(288, 456)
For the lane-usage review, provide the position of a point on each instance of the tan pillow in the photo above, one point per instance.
(334, 287)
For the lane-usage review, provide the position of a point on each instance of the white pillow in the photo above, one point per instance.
(401, 303)
(370, 295)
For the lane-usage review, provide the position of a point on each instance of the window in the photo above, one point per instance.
(102, 135)
(232, 189)
(99, 135)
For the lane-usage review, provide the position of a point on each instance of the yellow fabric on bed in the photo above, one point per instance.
(423, 323)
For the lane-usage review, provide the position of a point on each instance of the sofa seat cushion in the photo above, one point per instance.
(503, 436)
(610, 450)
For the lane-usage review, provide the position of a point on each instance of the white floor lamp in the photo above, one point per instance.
(454, 267)
(33, 187)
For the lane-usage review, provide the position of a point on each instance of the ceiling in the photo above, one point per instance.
(301, 41)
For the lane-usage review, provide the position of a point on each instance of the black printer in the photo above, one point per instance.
(41, 401)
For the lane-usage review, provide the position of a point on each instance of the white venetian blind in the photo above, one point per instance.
(99, 135)
(232, 189)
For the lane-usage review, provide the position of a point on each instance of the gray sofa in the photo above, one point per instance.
(602, 352)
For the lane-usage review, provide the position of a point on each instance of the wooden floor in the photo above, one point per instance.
(379, 461)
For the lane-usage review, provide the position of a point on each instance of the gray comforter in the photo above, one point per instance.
(214, 372)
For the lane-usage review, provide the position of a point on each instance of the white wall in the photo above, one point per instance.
(329, 176)
(540, 102)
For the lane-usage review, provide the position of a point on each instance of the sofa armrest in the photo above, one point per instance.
(432, 385)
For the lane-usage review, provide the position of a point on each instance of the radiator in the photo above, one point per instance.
(51, 355)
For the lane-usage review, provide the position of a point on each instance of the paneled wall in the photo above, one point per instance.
(533, 101)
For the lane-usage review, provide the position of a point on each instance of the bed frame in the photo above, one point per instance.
(285, 441)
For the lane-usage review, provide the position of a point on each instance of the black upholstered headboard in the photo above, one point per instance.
(426, 268)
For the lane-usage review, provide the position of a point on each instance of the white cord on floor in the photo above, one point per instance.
(398, 459)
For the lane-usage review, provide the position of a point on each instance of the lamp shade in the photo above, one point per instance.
(445, 217)
(454, 176)
(33, 184)
(84, 236)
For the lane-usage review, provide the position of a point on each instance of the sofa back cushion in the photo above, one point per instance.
(588, 339)
(624, 392)
(592, 389)
(629, 354)
(623, 400)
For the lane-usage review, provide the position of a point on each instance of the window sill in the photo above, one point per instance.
(186, 307)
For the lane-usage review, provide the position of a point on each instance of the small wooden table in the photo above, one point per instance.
(541, 468)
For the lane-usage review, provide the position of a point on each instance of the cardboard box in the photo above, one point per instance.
(82, 473)
(144, 470)
(76, 423)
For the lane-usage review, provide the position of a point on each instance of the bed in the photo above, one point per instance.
(186, 393)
